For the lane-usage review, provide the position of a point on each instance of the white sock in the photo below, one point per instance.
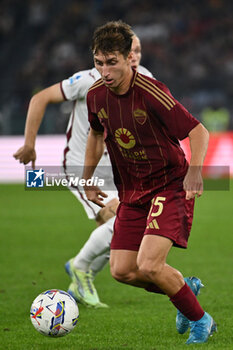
(98, 263)
(97, 245)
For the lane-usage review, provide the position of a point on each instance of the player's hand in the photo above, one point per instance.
(25, 155)
(95, 195)
(193, 182)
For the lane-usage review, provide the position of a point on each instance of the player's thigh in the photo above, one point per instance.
(123, 262)
(153, 252)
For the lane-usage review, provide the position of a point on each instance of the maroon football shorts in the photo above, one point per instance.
(169, 215)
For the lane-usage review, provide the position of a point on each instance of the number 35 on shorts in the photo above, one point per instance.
(156, 210)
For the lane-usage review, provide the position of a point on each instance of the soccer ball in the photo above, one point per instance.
(54, 313)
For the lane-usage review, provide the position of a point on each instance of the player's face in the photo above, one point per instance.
(136, 52)
(115, 70)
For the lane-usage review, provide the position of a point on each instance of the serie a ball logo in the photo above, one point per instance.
(124, 138)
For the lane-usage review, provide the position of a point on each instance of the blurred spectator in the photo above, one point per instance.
(216, 118)
(187, 45)
(37, 13)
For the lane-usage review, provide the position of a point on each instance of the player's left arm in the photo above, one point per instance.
(193, 182)
(35, 115)
(179, 123)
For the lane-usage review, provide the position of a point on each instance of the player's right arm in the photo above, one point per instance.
(35, 114)
(94, 151)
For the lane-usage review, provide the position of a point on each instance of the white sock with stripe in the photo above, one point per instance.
(95, 252)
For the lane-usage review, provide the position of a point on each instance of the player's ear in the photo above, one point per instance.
(130, 56)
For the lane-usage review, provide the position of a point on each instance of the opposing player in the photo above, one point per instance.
(95, 253)
(141, 126)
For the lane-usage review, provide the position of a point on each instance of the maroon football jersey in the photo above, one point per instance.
(141, 130)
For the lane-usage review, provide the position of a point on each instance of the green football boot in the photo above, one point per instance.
(82, 287)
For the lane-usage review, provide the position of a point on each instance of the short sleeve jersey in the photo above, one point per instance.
(75, 89)
(142, 129)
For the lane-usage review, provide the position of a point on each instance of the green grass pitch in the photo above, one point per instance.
(40, 230)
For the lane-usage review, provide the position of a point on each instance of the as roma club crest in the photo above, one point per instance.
(140, 116)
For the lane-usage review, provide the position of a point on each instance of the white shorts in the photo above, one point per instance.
(109, 188)
(91, 208)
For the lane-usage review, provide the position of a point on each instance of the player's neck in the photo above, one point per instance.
(124, 85)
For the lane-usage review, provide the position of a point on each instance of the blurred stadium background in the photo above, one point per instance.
(186, 44)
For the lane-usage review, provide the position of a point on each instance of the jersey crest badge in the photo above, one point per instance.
(140, 116)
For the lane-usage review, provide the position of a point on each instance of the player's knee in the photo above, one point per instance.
(122, 274)
(149, 268)
(104, 215)
(107, 212)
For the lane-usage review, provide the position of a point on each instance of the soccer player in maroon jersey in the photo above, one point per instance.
(141, 124)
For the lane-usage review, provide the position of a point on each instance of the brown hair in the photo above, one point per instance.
(111, 37)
